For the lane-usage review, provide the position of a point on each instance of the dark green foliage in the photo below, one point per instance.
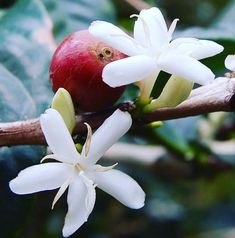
(72, 15)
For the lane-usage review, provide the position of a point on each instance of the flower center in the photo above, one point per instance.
(78, 168)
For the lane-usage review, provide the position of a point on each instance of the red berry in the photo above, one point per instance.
(77, 66)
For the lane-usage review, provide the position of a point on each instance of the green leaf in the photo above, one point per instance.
(222, 31)
(222, 28)
(18, 17)
(26, 46)
(176, 134)
(73, 15)
(24, 52)
(15, 101)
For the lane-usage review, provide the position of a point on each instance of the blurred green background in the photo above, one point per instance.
(185, 167)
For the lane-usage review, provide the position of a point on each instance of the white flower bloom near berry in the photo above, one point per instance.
(230, 62)
(80, 173)
(151, 50)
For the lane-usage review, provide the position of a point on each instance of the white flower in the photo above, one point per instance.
(79, 172)
(230, 62)
(151, 50)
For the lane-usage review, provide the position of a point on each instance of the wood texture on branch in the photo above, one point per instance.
(218, 96)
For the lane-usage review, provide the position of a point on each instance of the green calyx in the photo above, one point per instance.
(62, 102)
(176, 90)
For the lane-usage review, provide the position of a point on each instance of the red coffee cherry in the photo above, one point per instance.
(77, 66)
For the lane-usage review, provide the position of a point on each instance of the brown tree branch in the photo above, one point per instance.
(218, 96)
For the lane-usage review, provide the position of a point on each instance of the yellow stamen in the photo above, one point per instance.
(134, 15)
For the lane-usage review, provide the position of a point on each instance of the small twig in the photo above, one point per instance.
(21, 133)
(218, 96)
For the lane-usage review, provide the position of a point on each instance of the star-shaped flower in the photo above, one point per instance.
(79, 172)
(151, 50)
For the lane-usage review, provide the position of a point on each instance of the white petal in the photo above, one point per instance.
(128, 70)
(187, 68)
(198, 49)
(115, 37)
(150, 28)
(78, 211)
(230, 62)
(121, 186)
(41, 177)
(58, 137)
(107, 134)
(206, 49)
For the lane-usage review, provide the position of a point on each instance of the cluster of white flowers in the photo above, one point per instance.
(150, 51)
